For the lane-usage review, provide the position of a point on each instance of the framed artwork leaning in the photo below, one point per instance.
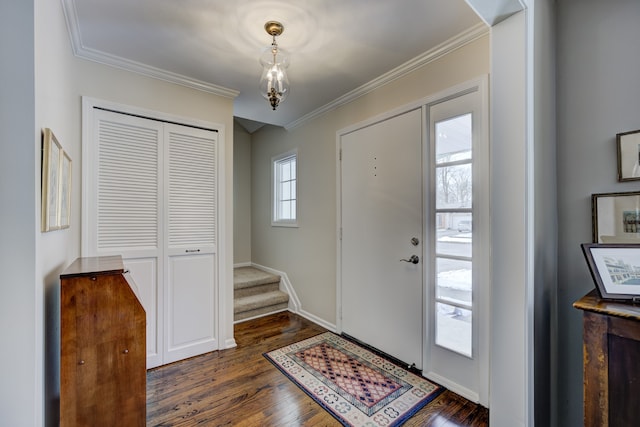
(615, 269)
(56, 183)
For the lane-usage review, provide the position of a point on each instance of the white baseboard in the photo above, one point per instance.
(456, 388)
(242, 264)
(318, 321)
(230, 343)
(285, 285)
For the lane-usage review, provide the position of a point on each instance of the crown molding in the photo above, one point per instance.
(431, 55)
(80, 51)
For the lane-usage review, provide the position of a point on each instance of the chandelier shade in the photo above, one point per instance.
(274, 83)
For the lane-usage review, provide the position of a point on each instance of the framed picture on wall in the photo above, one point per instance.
(56, 183)
(65, 190)
(628, 147)
(616, 217)
(51, 150)
(615, 269)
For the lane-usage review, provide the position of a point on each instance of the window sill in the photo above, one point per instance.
(285, 224)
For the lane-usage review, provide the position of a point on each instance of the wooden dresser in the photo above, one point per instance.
(102, 346)
(611, 334)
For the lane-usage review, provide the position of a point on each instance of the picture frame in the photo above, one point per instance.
(56, 184)
(51, 150)
(65, 191)
(616, 217)
(628, 148)
(615, 269)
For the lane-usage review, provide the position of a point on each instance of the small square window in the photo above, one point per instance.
(285, 190)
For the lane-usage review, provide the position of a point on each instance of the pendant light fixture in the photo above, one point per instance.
(274, 84)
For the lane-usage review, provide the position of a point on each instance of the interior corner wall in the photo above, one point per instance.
(543, 370)
(308, 253)
(509, 231)
(20, 403)
(61, 79)
(598, 96)
(241, 195)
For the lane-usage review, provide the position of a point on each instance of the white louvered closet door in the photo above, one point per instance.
(121, 214)
(150, 195)
(190, 230)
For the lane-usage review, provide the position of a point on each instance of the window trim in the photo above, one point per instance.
(275, 199)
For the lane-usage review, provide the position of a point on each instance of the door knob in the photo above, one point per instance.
(413, 259)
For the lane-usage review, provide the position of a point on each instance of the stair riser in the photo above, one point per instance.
(254, 290)
(260, 311)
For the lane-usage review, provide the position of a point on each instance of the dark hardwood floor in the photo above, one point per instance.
(239, 387)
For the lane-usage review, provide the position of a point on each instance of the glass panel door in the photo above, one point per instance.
(457, 257)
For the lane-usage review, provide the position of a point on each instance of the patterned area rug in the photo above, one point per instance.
(355, 385)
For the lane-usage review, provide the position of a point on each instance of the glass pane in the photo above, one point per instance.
(454, 280)
(453, 234)
(453, 187)
(285, 210)
(285, 190)
(293, 168)
(293, 190)
(293, 210)
(453, 328)
(285, 171)
(453, 139)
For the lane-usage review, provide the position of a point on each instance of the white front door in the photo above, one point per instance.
(381, 217)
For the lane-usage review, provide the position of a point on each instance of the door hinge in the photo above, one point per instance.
(340, 154)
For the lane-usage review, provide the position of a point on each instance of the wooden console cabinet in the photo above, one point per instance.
(611, 348)
(102, 346)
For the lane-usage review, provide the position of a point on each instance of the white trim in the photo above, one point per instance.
(242, 264)
(285, 286)
(419, 61)
(318, 321)
(493, 12)
(229, 343)
(530, 219)
(456, 388)
(79, 50)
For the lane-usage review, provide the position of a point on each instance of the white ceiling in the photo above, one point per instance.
(337, 47)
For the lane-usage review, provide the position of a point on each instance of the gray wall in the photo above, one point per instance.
(19, 400)
(544, 251)
(598, 95)
(241, 195)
